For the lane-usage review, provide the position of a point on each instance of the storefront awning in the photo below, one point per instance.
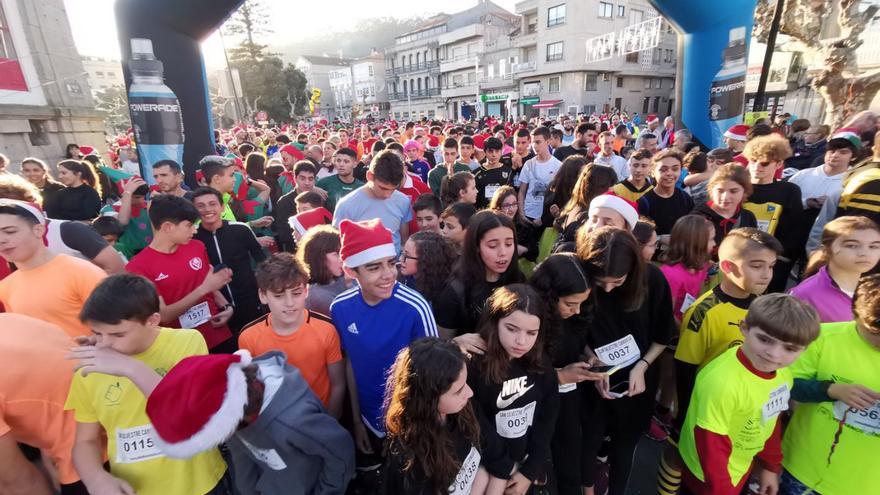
(546, 103)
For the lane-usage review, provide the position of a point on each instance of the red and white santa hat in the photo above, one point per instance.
(365, 242)
(199, 403)
(627, 209)
(302, 222)
(651, 118)
(737, 132)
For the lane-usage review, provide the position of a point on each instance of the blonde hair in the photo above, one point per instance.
(772, 147)
(832, 231)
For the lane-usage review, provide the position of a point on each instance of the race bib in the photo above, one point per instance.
(136, 444)
(514, 423)
(269, 457)
(777, 403)
(688, 300)
(464, 480)
(195, 316)
(490, 190)
(867, 421)
(621, 352)
(568, 387)
(764, 226)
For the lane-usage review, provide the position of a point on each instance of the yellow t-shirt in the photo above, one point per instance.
(839, 355)
(710, 326)
(626, 190)
(731, 400)
(120, 407)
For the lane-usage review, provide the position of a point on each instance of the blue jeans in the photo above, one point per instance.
(789, 485)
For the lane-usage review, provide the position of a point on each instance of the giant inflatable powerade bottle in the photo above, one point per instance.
(727, 95)
(155, 111)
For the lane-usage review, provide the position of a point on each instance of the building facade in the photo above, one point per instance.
(556, 77)
(103, 73)
(317, 71)
(45, 100)
(370, 90)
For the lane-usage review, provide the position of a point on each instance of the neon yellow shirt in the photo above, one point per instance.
(120, 407)
(839, 355)
(731, 400)
(710, 326)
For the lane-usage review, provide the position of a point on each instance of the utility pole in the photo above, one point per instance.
(477, 78)
(760, 101)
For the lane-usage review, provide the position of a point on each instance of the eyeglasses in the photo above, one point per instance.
(404, 257)
(508, 206)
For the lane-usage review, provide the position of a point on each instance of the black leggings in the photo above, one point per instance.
(566, 444)
(624, 420)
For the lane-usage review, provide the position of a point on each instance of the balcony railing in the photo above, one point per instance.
(419, 93)
(523, 67)
(407, 69)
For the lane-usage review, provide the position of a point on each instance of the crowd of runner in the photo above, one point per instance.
(499, 307)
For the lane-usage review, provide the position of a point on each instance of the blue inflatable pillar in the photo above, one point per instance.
(715, 56)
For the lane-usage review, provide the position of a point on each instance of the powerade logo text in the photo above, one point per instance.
(154, 107)
(728, 87)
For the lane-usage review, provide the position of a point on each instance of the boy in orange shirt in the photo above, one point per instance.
(308, 339)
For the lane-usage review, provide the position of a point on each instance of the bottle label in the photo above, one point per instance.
(726, 97)
(156, 119)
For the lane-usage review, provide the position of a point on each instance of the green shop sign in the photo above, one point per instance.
(531, 100)
(485, 98)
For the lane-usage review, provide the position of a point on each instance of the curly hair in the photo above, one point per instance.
(771, 147)
(439, 255)
(421, 374)
(15, 187)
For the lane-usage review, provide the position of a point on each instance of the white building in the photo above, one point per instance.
(103, 73)
(343, 91)
(555, 76)
(370, 90)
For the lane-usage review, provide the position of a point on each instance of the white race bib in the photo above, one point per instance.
(568, 387)
(268, 456)
(688, 300)
(490, 190)
(195, 316)
(777, 403)
(621, 352)
(136, 444)
(514, 423)
(867, 421)
(464, 480)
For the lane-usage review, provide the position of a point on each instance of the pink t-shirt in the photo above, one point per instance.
(685, 285)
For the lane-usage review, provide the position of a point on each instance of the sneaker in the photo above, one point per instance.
(657, 430)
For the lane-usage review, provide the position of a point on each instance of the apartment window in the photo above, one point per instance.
(370, 70)
(672, 84)
(632, 58)
(606, 9)
(646, 101)
(648, 83)
(590, 82)
(472, 77)
(655, 56)
(457, 80)
(556, 15)
(589, 109)
(621, 11)
(99, 74)
(111, 74)
(619, 82)
(554, 51)
(554, 85)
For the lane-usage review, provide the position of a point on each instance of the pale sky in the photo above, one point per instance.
(321, 17)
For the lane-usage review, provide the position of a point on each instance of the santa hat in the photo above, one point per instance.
(31, 209)
(433, 141)
(199, 403)
(86, 150)
(627, 209)
(293, 151)
(302, 222)
(365, 242)
(846, 136)
(651, 118)
(737, 132)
